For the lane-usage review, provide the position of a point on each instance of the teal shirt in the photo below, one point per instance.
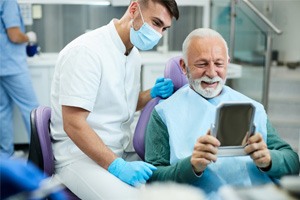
(157, 152)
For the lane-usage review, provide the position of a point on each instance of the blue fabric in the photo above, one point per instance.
(13, 56)
(188, 115)
(16, 89)
(18, 176)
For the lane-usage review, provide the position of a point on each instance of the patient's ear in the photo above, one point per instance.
(182, 66)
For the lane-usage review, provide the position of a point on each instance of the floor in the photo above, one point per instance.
(21, 151)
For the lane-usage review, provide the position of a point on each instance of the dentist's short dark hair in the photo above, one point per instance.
(170, 5)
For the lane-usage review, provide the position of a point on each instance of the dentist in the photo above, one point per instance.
(95, 93)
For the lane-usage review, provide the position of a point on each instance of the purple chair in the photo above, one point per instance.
(40, 148)
(172, 71)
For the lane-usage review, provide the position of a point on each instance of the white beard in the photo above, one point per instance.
(207, 92)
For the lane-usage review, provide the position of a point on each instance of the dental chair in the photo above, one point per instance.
(172, 71)
(40, 148)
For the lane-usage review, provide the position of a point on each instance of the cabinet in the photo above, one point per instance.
(153, 65)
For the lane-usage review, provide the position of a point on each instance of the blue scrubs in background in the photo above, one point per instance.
(15, 81)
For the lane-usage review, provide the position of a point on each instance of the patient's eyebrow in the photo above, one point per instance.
(201, 60)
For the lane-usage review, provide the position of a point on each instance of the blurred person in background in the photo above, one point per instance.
(15, 81)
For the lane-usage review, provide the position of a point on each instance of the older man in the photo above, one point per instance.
(178, 138)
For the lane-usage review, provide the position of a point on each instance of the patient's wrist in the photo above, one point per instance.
(265, 169)
(197, 172)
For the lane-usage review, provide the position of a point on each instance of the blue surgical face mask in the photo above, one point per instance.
(146, 37)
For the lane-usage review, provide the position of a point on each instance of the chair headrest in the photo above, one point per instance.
(174, 72)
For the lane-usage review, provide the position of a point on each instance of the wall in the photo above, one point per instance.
(286, 15)
(250, 41)
(60, 24)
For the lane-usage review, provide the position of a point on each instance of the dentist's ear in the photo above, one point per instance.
(133, 7)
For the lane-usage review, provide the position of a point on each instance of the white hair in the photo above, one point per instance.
(201, 33)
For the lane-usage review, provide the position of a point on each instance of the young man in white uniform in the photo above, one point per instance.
(94, 95)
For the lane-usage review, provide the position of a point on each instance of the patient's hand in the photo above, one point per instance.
(258, 151)
(205, 152)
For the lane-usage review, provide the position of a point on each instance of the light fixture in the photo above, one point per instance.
(76, 2)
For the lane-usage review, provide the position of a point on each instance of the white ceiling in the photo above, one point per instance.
(112, 2)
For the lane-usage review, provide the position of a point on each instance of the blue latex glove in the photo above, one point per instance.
(163, 88)
(17, 176)
(133, 173)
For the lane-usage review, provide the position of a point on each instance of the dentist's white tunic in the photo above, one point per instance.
(93, 73)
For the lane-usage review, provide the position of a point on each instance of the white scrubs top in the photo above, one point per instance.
(93, 73)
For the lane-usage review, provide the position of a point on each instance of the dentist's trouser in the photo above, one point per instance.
(14, 89)
(89, 181)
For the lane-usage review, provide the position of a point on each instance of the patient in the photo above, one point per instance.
(178, 138)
